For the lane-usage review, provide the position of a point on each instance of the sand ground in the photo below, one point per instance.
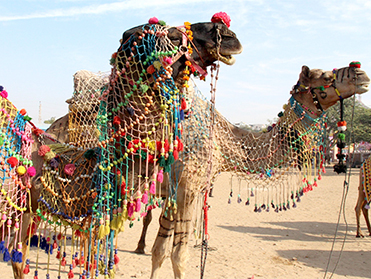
(293, 244)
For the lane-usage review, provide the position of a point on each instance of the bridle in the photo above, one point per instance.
(301, 88)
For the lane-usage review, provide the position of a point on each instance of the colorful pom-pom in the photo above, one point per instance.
(21, 170)
(69, 169)
(221, 17)
(43, 150)
(4, 94)
(153, 20)
(355, 64)
(31, 171)
(12, 161)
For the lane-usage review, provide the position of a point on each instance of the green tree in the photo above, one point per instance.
(49, 121)
(360, 126)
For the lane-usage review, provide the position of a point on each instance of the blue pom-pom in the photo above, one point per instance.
(43, 243)
(14, 255)
(181, 115)
(6, 257)
(34, 241)
(2, 247)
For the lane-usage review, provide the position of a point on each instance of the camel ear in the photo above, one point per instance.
(304, 77)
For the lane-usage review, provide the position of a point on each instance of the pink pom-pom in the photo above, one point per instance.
(69, 169)
(43, 150)
(4, 94)
(138, 205)
(31, 171)
(221, 17)
(160, 176)
(145, 198)
(152, 188)
(130, 209)
(153, 20)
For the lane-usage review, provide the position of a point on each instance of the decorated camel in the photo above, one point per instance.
(92, 191)
(139, 147)
(364, 196)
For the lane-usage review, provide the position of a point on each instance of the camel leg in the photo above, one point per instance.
(18, 267)
(365, 214)
(142, 241)
(161, 246)
(183, 225)
(360, 204)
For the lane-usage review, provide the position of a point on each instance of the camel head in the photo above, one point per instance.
(318, 89)
(209, 41)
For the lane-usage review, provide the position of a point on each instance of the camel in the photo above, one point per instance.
(282, 152)
(363, 201)
(211, 41)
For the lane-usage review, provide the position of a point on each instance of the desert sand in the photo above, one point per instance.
(296, 243)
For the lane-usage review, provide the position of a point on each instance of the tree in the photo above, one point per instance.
(358, 126)
(50, 121)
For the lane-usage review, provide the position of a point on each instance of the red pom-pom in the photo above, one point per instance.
(116, 259)
(63, 262)
(26, 270)
(70, 274)
(12, 161)
(43, 150)
(153, 20)
(176, 155)
(116, 120)
(355, 64)
(221, 17)
(183, 104)
(22, 112)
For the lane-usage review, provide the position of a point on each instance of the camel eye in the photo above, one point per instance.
(328, 79)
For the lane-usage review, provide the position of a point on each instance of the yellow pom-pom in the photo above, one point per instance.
(101, 232)
(21, 170)
(50, 155)
(107, 228)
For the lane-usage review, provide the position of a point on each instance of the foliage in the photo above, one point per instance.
(49, 121)
(358, 126)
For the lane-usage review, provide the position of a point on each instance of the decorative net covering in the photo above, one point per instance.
(279, 165)
(16, 168)
(83, 108)
(366, 179)
(149, 136)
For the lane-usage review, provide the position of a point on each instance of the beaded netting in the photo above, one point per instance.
(278, 165)
(69, 176)
(366, 180)
(16, 168)
(83, 108)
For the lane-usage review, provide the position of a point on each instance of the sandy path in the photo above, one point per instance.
(291, 244)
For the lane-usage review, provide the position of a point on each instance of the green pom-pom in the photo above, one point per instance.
(341, 136)
(112, 61)
(89, 154)
(162, 162)
(280, 114)
(144, 88)
(355, 64)
(161, 22)
(170, 159)
(27, 118)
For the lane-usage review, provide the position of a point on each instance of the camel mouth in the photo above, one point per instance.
(363, 87)
(227, 59)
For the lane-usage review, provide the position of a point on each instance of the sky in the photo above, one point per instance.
(44, 42)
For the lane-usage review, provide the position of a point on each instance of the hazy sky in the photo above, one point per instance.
(44, 42)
